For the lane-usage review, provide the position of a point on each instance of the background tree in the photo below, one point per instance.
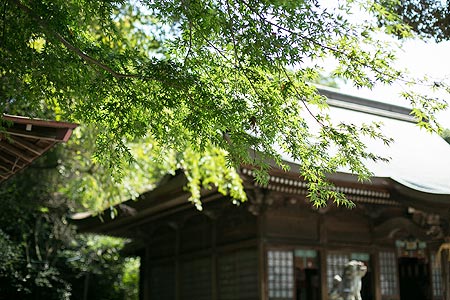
(428, 18)
(42, 257)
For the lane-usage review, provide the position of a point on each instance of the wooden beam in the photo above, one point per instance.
(27, 145)
(38, 132)
(39, 122)
(31, 134)
(15, 151)
(9, 159)
(323, 273)
(4, 167)
(375, 261)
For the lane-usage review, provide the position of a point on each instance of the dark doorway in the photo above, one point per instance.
(367, 284)
(414, 279)
(307, 284)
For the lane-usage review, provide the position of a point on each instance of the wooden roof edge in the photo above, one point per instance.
(427, 201)
(39, 122)
(25, 152)
(161, 197)
(168, 194)
(65, 128)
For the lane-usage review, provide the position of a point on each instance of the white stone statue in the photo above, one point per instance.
(348, 287)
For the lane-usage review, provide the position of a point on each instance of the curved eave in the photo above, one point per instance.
(437, 202)
(401, 192)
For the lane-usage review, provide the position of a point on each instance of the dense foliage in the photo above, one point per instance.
(232, 75)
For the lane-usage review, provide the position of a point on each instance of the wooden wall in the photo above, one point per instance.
(192, 255)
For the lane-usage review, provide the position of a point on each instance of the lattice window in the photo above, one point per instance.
(436, 273)
(335, 266)
(280, 266)
(388, 273)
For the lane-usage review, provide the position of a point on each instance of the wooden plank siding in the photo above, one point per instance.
(202, 255)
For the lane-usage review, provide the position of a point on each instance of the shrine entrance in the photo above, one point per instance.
(307, 284)
(307, 280)
(414, 278)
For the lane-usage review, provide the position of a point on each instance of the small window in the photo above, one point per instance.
(280, 265)
(388, 273)
(436, 272)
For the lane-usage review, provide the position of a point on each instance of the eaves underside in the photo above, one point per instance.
(23, 140)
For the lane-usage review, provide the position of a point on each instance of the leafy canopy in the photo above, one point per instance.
(225, 79)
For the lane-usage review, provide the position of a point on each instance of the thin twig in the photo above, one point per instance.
(220, 52)
(301, 99)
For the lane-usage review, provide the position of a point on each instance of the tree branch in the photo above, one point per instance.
(301, 98)
(68, 45)
(313, 41)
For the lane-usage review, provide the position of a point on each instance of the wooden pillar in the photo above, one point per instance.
(376, 273)
(323, 274)
(214, 279)
(146, 273)
(323, 239)
(177, 262)
(445, 264)
(262, 277)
